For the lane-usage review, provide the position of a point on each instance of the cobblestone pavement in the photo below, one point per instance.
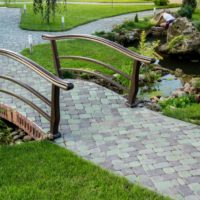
(160, 153)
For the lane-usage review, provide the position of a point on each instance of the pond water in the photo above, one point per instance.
(165, 87)
(190, 64)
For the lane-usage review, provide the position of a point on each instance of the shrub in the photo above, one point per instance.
(197, 25)
(136, 18)
(186, 11)
(5, 137)
(161, 2)
(191, 3)
(179, 102)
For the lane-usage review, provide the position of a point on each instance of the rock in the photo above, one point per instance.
(18, 142)
(178, 93)
(195, 82)
(14, 133)
(27, 138)
(178, 72)
(185, 37)
(187, 88)
(154, 99)
(16, 137)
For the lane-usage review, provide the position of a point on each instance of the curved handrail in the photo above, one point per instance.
(30, 89)
(106, 42)
(98, 63)
(28, 102)
(37, 68)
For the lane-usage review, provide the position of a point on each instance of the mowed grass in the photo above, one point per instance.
(189, 114)
(42, 170)
(76, 15)
(98, 1)
(42, 54)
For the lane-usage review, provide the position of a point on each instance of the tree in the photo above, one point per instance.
(192, 3)
(46, 8)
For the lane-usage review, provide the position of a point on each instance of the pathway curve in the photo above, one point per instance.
(160, 153)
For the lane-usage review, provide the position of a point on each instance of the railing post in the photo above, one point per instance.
(56, 58)
(55, 111)
(134, 85)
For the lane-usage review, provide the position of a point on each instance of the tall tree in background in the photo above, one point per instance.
(47, 8)
(192, 3)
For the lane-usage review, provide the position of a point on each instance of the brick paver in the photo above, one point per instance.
(160, 153)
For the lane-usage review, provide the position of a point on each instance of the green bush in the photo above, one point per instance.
(161, 2)
(5, 136)
(186, 11)
(179, 102)
(191, 3)
(197, 25)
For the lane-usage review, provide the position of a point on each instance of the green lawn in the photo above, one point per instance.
(196, 15)
(76, 15)
(41, 170)
(189, 113)
(81, 48)
(101, 1)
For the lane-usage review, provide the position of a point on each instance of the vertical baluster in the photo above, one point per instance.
(55, 111)
(56, 58)
(134, 85)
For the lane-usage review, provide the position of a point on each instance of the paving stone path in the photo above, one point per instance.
(160, 153)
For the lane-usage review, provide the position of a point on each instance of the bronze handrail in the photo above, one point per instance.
(27, 87)
(98, 63)
(37, 68)
(56, 84)
(106, 42)
(28, 102)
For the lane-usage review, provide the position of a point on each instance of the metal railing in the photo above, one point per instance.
(133, 77)
(56, 82)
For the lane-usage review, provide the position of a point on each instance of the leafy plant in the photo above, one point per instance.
(186, 11)
(177, 39)
(161, 2)
(148, 48)
(191, 3)
(136, 18)
(5, 136)
(46, 8)
(179, 102)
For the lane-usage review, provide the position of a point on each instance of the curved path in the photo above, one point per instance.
(160, 153)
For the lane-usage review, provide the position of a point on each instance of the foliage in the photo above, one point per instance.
(177, 39)
(42, 170)
(161, 2)
(136, 19)
(47, 9)
(148, 48)
(190, 3)
(5, 137)
(197, 25)
(179, 102)
(186, 11)
(130, 25)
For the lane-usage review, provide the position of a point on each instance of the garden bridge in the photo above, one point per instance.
(160, 153)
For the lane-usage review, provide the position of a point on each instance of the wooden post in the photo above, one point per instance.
(55, 111)
(55, 58)
(134, 85)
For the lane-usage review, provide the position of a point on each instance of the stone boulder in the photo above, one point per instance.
(182, 38)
